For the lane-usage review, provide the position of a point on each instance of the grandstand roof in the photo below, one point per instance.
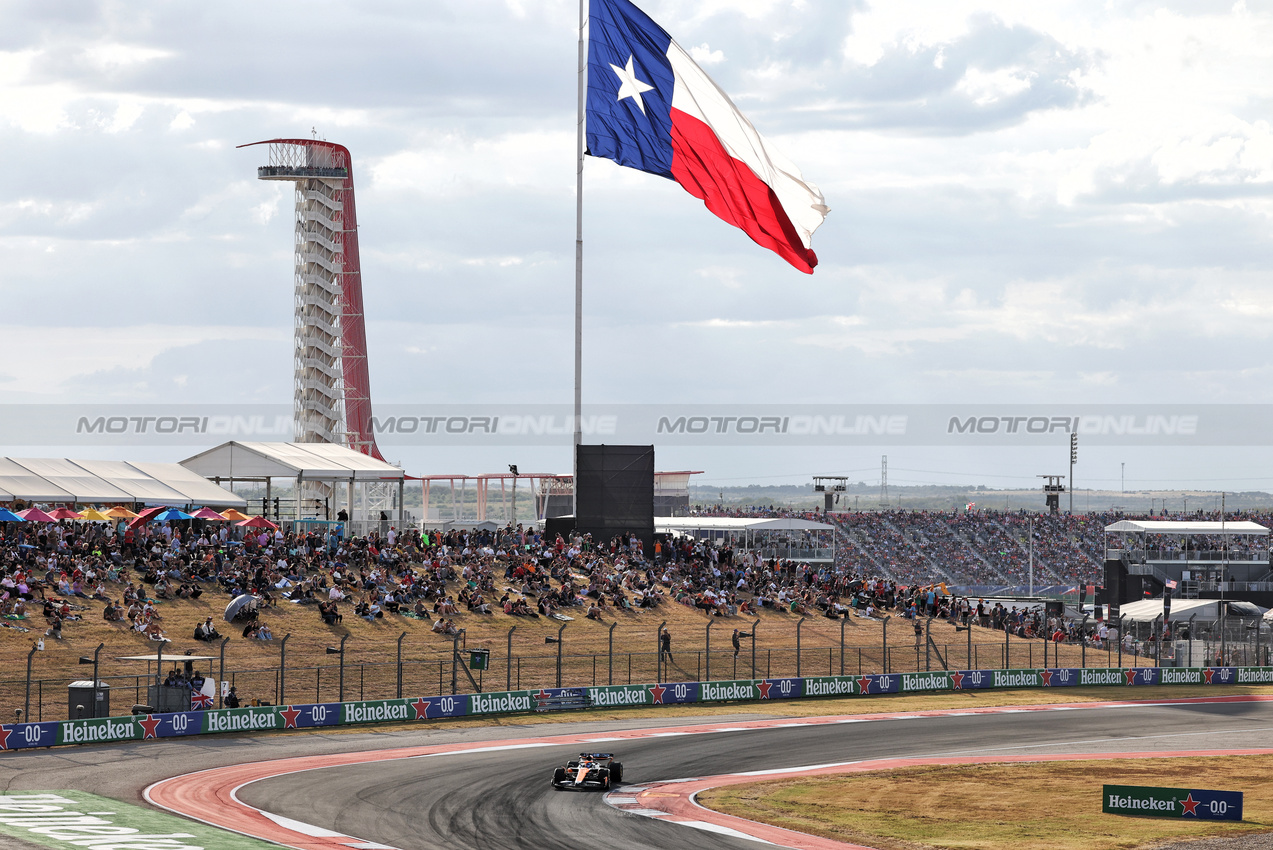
(99, 481)
(1170, 527)
(735, 523)
(311, 461)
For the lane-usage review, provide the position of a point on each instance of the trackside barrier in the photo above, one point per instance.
(16, 736)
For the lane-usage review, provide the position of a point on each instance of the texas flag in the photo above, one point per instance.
(651, 107)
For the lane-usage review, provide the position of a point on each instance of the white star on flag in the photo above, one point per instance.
(631, 86)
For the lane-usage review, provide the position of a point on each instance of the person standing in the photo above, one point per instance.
(665, 644)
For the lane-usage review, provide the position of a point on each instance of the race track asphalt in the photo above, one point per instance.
(503, 799)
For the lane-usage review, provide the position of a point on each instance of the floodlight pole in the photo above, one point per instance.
(579, 150)
(400, 637)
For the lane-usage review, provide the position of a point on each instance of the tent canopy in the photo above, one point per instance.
(1169, 527)
(310, 461)
(1208, 610)
(103, 482)
(664, 524)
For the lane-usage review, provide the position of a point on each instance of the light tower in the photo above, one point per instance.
(332, 392)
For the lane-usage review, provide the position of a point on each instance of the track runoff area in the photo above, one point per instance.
(474, 788)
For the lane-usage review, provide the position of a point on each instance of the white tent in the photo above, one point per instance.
(1207, 610)
(235, 461)
(83, 482)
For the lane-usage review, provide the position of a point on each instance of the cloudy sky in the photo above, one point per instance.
(1032, 202)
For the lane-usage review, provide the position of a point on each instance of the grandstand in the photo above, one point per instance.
(979, 552)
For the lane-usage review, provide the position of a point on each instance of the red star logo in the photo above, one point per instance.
(764, 689)
(1046, 675)
(1131, 676)
(1207, 674)
(421, 706)
(149, 726)
(1188, 805)
(657, 692)
(864, 685)
(5, 732)
(542, 695)
(199, 701)
(289, 715)
(957, 681)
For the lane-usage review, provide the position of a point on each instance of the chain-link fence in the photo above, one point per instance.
(42, 698)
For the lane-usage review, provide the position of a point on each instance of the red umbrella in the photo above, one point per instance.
(35, 515)
(208, 513)
(144, 517)
(65, 513)
(256, 522)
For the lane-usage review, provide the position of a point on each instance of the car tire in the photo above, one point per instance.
(616, 773)
(559, 778)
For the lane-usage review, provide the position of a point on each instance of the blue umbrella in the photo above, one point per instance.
(171, 513)
(7, 515)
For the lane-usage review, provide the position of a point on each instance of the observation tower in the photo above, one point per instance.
(332, 393)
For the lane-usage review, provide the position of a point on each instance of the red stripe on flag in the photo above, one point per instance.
(732, 191)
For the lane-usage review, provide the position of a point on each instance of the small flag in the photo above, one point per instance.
(200, 701)
(970, 506)
(1171, 585)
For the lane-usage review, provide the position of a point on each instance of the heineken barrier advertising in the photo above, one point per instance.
(1145, 802)
(14, 736)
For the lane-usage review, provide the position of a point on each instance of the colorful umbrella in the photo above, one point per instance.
(233, 515)
(94, 515)
(169, 514)
(208, 513)
(144, 517)
(7, 515)
(35, 515)
(120, 513)
(65, 513)
(256, 522)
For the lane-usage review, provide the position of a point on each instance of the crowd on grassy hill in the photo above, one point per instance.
(894, 562)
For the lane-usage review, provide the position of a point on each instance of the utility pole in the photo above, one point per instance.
(1031, 556)
(884, 481)
(1074, 457)
(512, 467)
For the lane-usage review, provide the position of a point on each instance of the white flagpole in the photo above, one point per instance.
(578, 431)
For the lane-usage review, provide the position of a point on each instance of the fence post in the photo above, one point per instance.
(710, 622)
(658, 652)
(221, 671)
(610, 663)
(281, 697)
(508, 661)
(30, 658)
(559, 631)
(884, 622)
(455, 659)
(799, 625)
(1190, 639)
(341, 692)
(754, 626)
(400, 637)
(842, 622)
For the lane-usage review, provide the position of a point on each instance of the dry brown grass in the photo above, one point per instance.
(1043, 806)
(370, 651)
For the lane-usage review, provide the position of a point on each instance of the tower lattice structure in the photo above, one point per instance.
(332, 389)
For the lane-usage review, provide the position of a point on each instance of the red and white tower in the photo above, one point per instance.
(332, 397)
